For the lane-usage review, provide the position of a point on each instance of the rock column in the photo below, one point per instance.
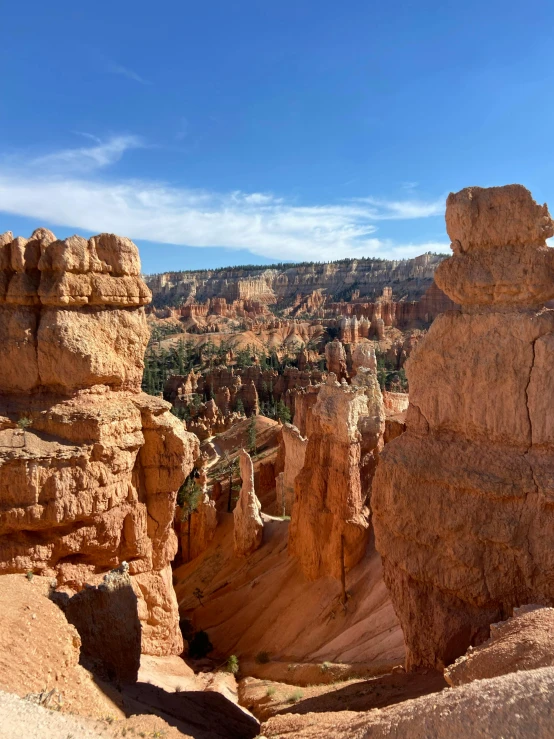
(463, 501)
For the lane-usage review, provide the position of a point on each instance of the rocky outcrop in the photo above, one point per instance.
(40, 653)
(363, 355)
(516, 706)
(106, 618)
(197, 533)
(462, 501)
(293, 453)
(90, 478)
(331, 505)
(248, 524)
(335, 358)
(523, 642)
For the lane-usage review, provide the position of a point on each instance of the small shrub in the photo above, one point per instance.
(325, 667)
(295, 696)
(232, 665)
(270, 692)
(262, 658)
(29, 576)
(200, 645)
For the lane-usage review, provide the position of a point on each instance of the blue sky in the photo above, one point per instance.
(232, 131)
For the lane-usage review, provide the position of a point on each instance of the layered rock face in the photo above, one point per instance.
(365, 277)
(332, 490)
(293, 451)
(92, 479)
(462, 501)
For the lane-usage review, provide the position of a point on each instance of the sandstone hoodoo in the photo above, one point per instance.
(248, 524)
(89, 465)
(330, 516)
(462, 501)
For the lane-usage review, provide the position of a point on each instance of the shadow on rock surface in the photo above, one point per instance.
(376, 693)
(107, 620)
(201, 714)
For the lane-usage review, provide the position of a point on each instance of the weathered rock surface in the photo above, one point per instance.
(462, 501)
(203, 523)
(336, 359)
(523, 642)
(332, 490)
(248, 524)
(92, 481)
(293, 453)
(106, 618)
(499, 242)
(363, 355)
(39, 651)
(517, 706)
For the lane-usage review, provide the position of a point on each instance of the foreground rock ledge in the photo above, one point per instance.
(462, 502)
(89, 465)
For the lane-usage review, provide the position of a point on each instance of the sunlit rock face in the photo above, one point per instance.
(462, 501)
(89, 465)
(248, 524)
(330, 513)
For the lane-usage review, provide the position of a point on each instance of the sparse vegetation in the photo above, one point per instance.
(252, 436)
(232, 665)
(325, 666)
(270, 692)
(188, 498)
(262, 658)
(295, 696)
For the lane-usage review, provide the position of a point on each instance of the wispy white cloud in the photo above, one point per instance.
(126, 72)
(399, 210)
(86, 158)
(64, 188)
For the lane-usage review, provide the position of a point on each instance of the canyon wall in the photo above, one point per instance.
(89, 465)
(289, 284)
(462, 502)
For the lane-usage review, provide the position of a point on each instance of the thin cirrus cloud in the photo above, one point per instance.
(89, 158)
(126, 72)
(66, 188)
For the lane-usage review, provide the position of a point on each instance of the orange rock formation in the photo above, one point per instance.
(462, 500)
(248, 524)
(90, 478)
(331, 491)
